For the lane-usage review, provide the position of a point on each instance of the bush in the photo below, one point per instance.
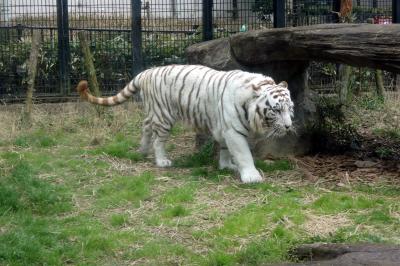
(331, 132)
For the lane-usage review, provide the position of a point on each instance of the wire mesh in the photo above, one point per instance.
(106, 24)
(18, 20)
(237, 16)
(378, 10)
(323, 77)
(167, 26)
(309, 12)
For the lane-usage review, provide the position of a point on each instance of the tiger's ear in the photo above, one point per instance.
(256, 90)
(283, 84)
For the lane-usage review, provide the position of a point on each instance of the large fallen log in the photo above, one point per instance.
(366, 45)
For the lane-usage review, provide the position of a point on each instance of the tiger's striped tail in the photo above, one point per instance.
(121, 97)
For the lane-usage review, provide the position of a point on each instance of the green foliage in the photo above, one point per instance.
(112, 57)
(370, 102)
(391, 133)
(384, 152)
(262, 8)
(201, 158)
(332, 132)
(278, 165)
(362, 12)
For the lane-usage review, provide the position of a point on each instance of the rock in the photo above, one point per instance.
(365, 164)
(346, 254)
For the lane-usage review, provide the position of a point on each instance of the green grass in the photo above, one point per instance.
(278, 165)
(339, 202)
(120, 147)
(21, 189)
(125, 190)
(176, 211)
(118, 220)
(39, 138)
(62, 203)
(179, 195)
(391, 133)
(204, 157)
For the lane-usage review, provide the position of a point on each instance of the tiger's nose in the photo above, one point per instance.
(287, 126)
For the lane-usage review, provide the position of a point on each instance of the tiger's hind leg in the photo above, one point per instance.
(225, 159)
(147, 133)
(161, 132)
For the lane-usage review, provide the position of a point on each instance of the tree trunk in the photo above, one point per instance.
(32, 70)
(363, 45)
(90, 69)
(89, 66)
(344, 83)
(380, 88)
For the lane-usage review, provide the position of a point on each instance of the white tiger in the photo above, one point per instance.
(231, 105)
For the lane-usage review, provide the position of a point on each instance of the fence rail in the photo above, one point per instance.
(129, 35)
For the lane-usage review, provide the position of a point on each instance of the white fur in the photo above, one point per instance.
(215, 102)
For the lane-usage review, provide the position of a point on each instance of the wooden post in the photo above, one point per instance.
(89, 66)
(90, 69)
(380, 88)
(345, 16)
(32, 70)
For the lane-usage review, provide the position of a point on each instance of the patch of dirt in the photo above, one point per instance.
(344, 170)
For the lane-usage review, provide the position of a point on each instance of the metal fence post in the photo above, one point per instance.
(136, 36)
(63, 45)
(279, 13)
(396, 11)
(336, 7)
(207, 20)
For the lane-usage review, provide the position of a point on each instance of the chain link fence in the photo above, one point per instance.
(126, 36)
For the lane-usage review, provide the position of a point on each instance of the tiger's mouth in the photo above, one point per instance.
(276, 130)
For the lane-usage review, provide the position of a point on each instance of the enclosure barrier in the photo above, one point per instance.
(127, 36)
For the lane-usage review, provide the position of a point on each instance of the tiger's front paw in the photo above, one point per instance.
(163, 162)
(251, 176)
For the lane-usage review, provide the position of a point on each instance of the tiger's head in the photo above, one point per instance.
(271, 109)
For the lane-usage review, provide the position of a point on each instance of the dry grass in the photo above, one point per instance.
(176, 217)
(325, 225)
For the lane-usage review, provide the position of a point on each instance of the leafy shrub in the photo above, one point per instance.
(332, 132)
